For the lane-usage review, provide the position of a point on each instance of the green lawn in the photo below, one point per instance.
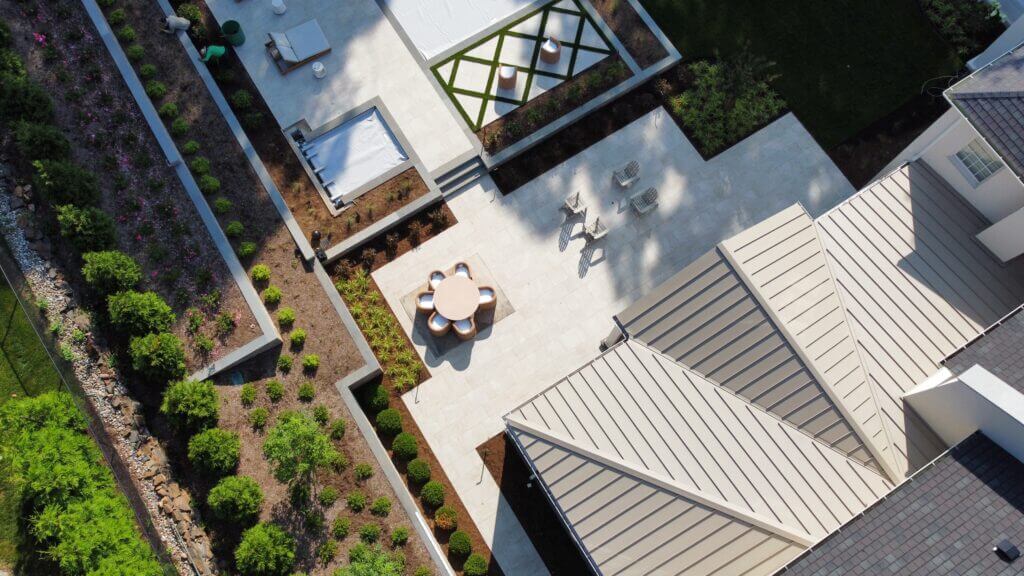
(25, 369)
(843, 63)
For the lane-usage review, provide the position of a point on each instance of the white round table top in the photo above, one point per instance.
(456, 298)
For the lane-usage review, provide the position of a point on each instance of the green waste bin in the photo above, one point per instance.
(232, 32)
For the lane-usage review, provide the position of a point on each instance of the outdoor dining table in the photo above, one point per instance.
(456, 298)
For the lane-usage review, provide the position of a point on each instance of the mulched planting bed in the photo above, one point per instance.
(546, 530)
(552, 105)
(157, 224)
(284, 166)
(631, 30)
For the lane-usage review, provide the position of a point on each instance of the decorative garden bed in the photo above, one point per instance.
(631, 30)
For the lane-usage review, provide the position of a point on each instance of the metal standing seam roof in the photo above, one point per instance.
(641, 414)
(992, 99)
(916, 286)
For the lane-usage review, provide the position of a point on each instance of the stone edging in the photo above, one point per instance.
(270, 336)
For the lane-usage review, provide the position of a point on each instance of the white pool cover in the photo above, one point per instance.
(436, 25)
(353, 154)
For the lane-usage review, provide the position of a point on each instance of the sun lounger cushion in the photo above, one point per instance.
(307, 40)
(283, 46)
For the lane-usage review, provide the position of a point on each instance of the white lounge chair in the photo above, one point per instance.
(425, 302)
(645, 201)
(629, 174)
(297, 46)
(435, 279)
(595, 231)
(574, 204)
(462, 269)
(465, 329)
(488, 298)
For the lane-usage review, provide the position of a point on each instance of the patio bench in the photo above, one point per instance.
(645, 201)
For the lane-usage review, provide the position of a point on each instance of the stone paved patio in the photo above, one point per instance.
(565, 293)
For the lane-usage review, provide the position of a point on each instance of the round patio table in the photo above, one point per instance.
(456, 298)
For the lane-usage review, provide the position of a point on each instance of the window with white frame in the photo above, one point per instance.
(977, 160)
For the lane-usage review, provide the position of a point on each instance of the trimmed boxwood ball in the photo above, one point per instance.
(284, 363)
(381, 507)
(190, 147)
(459, 544)
(241, 99)
(341, 528)
(377, 398)
(476, 565)
(275, 390)
(321, 414)
(370, 532)
(356, 501)
(246, 249)
(418, 471)
(327, 497)
(400, 536)
(236, 500)
(272, 295)
(310, 362)
(156, 89)
(208, 184)
(362, 471)
(248, 394)
(179, 127)
(432, 494)
(286, 317)
(258, 418)
(446, 518)
(135, 52)
(298, 338)
(199, 165)
(147, 71)
(126, 34)
(306, 392)
(191, 406)
(265, 550)
(389, 422)
(260, 272)
(214, 451)
(404, 446)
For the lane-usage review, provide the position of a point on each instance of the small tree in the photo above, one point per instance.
(297, 449)
(236, 500)
(110, 271)
(88, 229)
(41, 141)
(158, 357)
(63, 182)
(214, 451)
(191, 406)
(139, 313)
(265, 550)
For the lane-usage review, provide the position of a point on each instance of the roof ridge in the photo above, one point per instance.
(719, 504)
(988, 94)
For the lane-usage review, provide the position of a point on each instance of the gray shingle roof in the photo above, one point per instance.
(1000, 351)
(943, 521)
(992, 99)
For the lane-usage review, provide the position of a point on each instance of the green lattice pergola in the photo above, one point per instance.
(470, 77)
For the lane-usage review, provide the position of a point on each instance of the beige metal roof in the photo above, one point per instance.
(636, 527)
(706, 318)
(642, 414)
(916, 286)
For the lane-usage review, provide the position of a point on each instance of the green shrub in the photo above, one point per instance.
(418, 471)
(271, 295)
(241, 100)
(286, 317)
(158, 357)
(423, 571)
(446, 518)
(338, 429)
(432, 494)
(200, 166)
(376, 398)
(62, 182)
(297, 449)
(135, 52)
(179, 127)
(88, 229)
(191, 13)
(190, 147)
(298, 337)
(340, 528)
(224, 324)
(40, 142)
(306, 392)
(370, 532)
(22, 99)
(284, 363)
(356, 501)
(5, 35)
(389, 422)
(362, 471)
(321, 415)
(146, 72)
(258, 418)
(117, 17)
(265, 549)
(967, 25)
(246, 249)
(221, 205)
(310, 362)
(126, 34)
(156, 89)
(275, 390)
(204, 344)
(106, 3)
(11, 65)
(214, 451)
(168, 110)
(326, 552)
(191, 406)
(236, 500)
(399, 536)
(260, 273)
(248, 394)
(110, 271)
(327, 497)
(459, 544)
(339, 462)
(381, 507)
(404, 446)
(476, 565)
(235, 229)
(208, 185)
(139, 313)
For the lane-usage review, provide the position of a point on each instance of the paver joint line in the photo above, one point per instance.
(174, 159)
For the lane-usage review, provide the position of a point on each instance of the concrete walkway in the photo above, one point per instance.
(564, 293)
